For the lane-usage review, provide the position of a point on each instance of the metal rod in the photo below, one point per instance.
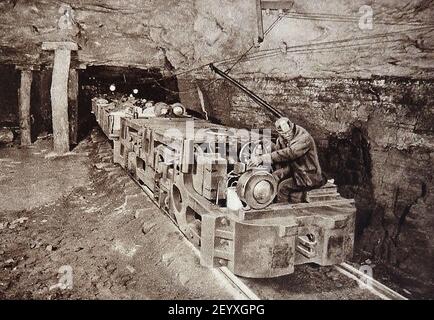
(252, 95)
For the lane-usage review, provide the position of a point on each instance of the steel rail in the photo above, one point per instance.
(367, 282)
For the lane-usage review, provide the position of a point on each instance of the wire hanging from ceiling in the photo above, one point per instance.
(324, 46)
(239, 58)
(348, 18)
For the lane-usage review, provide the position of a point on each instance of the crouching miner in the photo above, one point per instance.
(294, 160)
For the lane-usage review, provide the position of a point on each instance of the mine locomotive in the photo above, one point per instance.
(195, 171)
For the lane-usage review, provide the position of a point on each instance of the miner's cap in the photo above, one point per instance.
(283, 124)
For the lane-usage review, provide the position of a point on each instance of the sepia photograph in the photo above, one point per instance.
(217, 156)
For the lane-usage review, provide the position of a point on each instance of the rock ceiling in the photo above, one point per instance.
(321, 38)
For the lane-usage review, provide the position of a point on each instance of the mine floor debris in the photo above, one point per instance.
(93, 220)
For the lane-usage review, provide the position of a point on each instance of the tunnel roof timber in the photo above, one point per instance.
(314, 39)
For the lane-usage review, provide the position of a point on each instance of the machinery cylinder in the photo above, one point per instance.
(257, 188)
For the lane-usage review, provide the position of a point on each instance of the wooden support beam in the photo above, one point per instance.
(59, 100)
(269, 5)
(276, 5)
(67, 45)
(73, 106)
(24, 107)
(259, 21)
(31, 67)
(59, 93)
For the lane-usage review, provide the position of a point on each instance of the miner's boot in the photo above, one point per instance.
(296, 197)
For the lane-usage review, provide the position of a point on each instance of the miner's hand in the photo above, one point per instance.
(255, 161)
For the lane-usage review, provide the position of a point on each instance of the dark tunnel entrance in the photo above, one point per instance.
(94, 81)
(120, 82)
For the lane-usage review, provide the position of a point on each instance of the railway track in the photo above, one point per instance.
(234, 284)
(369, 283)
(241, 291)
(364, 281)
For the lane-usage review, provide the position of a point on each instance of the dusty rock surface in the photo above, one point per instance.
(179, 35)
(83, 213)
(6, 136)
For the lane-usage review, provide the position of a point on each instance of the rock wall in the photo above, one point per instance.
(375, 137)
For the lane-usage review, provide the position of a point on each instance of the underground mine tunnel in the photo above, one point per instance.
(102, 182)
